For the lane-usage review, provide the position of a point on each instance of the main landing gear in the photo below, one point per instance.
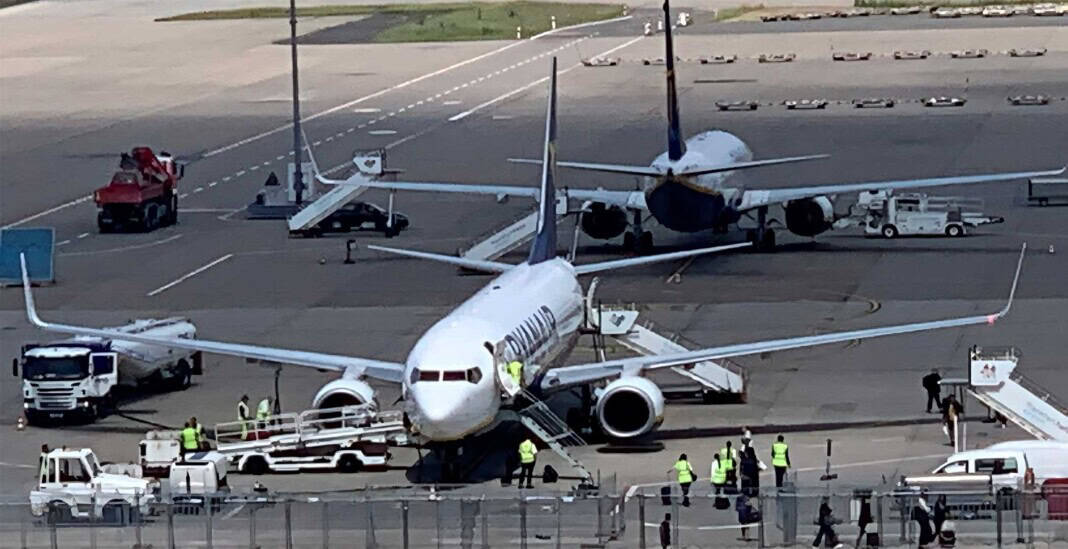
(762, 237)
(638, 240)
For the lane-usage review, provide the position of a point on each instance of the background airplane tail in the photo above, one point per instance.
(676, 145)
(544, 245)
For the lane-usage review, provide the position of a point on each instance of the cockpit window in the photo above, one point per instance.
(471, 375)
(474, 375)
(454, 375)
(429, 375)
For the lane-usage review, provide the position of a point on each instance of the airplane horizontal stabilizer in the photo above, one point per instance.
(473, 264)
(751, 164)
(595, 167)
(631, 262)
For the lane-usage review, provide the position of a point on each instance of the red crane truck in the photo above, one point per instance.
(143, 193)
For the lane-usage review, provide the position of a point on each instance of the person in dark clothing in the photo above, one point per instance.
(940, 513)
(746, 514)
(951, 412)
(665, 532)
(826, 522)
(921, 513)
(930, 384)
(864, 519)
(749, 470)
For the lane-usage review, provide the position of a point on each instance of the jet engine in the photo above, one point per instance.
(630, 407)
(604, 222)
(809, 216)
(343, 392)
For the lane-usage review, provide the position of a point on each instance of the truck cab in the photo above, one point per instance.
(72, 485)
(61, 379)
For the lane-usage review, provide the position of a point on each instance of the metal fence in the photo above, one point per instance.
(788, 517)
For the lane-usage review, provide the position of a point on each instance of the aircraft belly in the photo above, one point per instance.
(681, 208)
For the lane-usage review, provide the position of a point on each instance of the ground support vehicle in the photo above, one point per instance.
(360, 216)
(344, 439)
(72, 485)
(197, 482)
(1020, 100)
(909, 54)
(142, 195)
(1045, 190)
(741, 105)
(805, 104)
(158, 451)
(883, 213)
(874, 103)
(776, 57)
(718, 59)
(944, 101)
(601, 62)
(851, 56)
(83, 376)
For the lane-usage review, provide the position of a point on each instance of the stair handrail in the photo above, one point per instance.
(482, 237)
(1039, 391)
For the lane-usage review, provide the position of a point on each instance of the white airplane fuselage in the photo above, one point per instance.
(696, 203)
(535, 309)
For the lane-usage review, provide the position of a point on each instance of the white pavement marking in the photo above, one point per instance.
(83, 235)
(226, 178)
(62, 242)
(187, 276)
(279, 157)
(230, 514)
(183, 195)
(452, 102)
(48, 211)
(198, 190)
(366, 110)
(239, 173)
(212, 184)
(581, 25)
(126, 248)
(382, 132)
(17, 465)
(354, 102)
(522, 89)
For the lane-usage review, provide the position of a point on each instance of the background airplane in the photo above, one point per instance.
(453, 378)
(689, 187)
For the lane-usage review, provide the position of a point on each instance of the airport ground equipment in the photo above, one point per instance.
(739, 105)
(360, 216)
(874, 102)
(1042, 191)
(196, 476)
(805, 104)
(142, 195)
(909, 214)
(505, 239)
(345, 439)
(370, 166)
(72, 484)
(158, 451)
(994, 380)
(83, 376)
(37, 244)
(1028, 100)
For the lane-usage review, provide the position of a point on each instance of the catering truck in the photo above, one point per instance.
(80, 377)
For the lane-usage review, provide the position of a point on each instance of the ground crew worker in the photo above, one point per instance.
(189, 439)
(243, 416)
(729, 456)
(684, 475)
(515, 371)
(263, 412)
(200, 431)
(780, 459)
(718, 473)
(528, 454)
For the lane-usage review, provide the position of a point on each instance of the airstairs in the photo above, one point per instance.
(505, 239)
(370, 166)
(553, 431)
(621, 324)
(994, 381)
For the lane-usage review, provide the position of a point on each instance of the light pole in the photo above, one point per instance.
(298, 176)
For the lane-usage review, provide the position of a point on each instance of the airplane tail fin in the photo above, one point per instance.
(676, 145)
(544, 246)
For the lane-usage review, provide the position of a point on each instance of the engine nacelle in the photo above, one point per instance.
(630, 407)
(603, 222)
(810, 216)
(344, 392)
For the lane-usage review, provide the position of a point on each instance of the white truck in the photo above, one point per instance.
(158, 451)
(79, 377)
(72, 485)
(1007, 462)
(345, 439)
(912, 214)
(197, 483)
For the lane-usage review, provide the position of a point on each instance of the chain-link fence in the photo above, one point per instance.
(857, 518)
(415, 518)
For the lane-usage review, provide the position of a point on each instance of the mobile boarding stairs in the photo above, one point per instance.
(995, 381)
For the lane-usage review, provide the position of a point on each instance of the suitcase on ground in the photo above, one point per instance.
(665, 495)
(549, 475)
(872, 539)
(722, 503)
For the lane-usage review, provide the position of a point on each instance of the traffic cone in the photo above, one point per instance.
(1051, 249)
(20, 424)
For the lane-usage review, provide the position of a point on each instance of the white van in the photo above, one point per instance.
(1007, 462)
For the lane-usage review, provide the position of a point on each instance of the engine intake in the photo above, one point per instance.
(603, 222)
(343, 392)
(810, 216)
(630, 407)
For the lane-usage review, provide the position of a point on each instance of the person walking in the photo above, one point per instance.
(729, 456)
(528, 455)
(746, 514)
(951, 411)
(718, 474)
(780, 459)
(242, 416)
(865, 517)
(665, 531)
(921, 513)
(188, 437)
(826, 521)
(515, 371)
(749, 471)
(263, 414)
(934, 390)
(684, 475)
(940, 514)
(200, 432)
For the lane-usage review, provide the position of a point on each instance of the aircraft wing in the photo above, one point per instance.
(756, 198)
(560, 378)
(350, 366)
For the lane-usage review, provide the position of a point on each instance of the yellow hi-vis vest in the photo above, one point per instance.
(719, 472)
(684, 470)
(778, 454)
(242, 411)
(727, 457)
(527, 451)
(515, 370)
(189, 439)
(263, 411)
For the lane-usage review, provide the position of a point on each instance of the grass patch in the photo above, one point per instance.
(440, 22)
(727, 14)
(9, 3)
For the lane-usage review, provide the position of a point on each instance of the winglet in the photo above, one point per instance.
(544, 246)
(311, 156)
(676, 145)
(1012, 293)
(31, 307)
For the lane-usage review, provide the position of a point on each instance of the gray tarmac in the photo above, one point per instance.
(225, 111)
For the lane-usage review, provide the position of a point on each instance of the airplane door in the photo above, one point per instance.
(507, 385)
